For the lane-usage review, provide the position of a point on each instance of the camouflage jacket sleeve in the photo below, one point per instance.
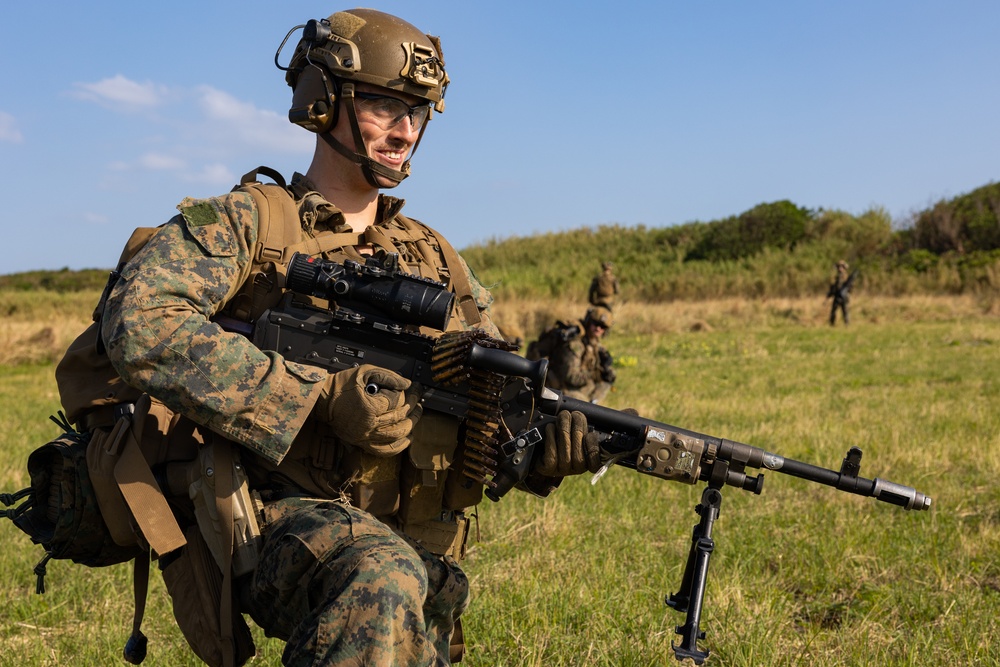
(161, 340)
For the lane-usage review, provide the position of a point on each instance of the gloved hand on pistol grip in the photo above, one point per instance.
(369, 407)
(568, 448)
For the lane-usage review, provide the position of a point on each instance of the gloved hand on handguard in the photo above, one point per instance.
(370, 407)
(568, 448)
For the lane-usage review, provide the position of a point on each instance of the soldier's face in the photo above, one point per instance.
(595, 330)
(390, 147)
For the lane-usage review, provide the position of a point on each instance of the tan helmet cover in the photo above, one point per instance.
(600, 315)
(361, 45)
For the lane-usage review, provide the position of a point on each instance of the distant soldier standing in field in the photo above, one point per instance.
(604, 288)
(579, 364)
(840, 292)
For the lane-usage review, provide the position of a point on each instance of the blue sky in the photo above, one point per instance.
(560, 114)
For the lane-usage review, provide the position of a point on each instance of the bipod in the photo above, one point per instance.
(692, 592)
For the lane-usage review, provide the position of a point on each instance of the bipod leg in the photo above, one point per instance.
(692, 594)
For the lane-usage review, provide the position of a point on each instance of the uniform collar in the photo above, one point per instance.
(315, 210)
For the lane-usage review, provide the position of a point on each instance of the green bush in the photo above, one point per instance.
(777, 225)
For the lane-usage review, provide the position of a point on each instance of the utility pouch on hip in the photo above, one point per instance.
(132, 503)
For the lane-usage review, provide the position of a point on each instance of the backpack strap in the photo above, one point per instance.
(278, 229)
(135, 647)
(140, 489)
(273, 174)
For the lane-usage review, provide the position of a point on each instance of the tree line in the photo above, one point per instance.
(773, 249)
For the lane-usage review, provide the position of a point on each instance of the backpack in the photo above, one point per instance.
(61, 511)
(551, 339)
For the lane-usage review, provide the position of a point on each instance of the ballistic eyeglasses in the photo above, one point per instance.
(387, 112)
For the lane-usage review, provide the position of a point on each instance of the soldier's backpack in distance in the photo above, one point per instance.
(551, 339)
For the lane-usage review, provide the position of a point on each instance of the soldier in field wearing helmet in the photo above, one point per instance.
(364, 521)
(840, 292)
(604, 288)
(581, 367)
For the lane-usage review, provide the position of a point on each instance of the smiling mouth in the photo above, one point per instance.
(393, 156)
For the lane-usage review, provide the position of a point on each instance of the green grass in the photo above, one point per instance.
(801, 575)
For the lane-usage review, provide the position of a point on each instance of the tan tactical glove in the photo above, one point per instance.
(568, 449)
(370, 408)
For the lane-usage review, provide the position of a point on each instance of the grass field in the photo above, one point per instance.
(801, 575)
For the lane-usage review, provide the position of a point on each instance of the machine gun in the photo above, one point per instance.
(842, 291)
(502, 398)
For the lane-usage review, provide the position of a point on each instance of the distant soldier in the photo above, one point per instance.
(604, 288)
(840, 292)
(580, 366)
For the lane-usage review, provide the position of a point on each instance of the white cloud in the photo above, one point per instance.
(242, 125)
(159, 161)
(199, 135)
(8, 129)
(212, 174)
(119, 91)
(96, 218)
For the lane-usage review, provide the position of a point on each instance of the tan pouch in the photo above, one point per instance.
(85, 376)
(433, 443)
(375, 488)
(103, 452)
(444, 538)
(194, 582)
(128, 494)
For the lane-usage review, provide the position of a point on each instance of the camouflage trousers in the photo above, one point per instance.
(342, 589)
(839, 303)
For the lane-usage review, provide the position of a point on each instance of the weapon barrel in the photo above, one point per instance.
(880, 489)
(613, 421)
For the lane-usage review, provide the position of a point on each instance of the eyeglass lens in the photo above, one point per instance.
(387, 112)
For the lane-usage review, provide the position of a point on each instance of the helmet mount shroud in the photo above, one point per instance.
(360, 46)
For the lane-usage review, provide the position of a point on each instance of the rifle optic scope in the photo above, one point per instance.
(378, 283)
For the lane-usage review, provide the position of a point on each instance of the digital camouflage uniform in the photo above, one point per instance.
(335, 579)
(579, 368)
(604, 288)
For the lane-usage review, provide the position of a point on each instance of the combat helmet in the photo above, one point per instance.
(360, 46)
(599, 315)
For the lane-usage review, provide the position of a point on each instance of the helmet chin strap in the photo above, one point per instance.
(369, 167)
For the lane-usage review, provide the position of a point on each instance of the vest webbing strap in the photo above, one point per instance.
(460, 281)
(379, 237)
(324, 242)
(274, 205)
(143, 494)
